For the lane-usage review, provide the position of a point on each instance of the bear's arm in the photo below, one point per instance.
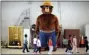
(37, 25)
(56, 25)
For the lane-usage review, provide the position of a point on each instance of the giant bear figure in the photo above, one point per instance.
(47, 25)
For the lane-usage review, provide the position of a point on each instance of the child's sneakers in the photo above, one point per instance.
(28, 51)
(23, 51)
(34, 52)
(68, 53)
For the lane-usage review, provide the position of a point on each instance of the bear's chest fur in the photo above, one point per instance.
(47, 19)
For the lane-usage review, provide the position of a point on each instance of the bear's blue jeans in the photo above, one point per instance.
(44, 37)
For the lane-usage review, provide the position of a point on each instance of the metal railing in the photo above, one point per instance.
(25, 13)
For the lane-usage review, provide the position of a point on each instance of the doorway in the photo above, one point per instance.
(27, 31)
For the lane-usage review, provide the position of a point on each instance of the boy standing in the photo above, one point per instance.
(25, 44)
(86, 44)
(34, 43)
(69, 46)
(38, 45)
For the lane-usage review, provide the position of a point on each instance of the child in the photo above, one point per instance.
(74, 44)
(34, 43)
(38, 45)
(25, 44)
(69, 46)
(50, 46)
(86, 43)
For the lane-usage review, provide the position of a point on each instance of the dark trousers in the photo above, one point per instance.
(35, 47)
(68, 48)
(87, 48)
(25, 47)
(38, 49)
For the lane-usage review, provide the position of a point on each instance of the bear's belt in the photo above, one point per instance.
(47, 31)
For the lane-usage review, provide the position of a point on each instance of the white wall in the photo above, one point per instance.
(0, 27)
(73, 14)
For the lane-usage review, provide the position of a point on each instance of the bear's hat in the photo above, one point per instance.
(46, 3)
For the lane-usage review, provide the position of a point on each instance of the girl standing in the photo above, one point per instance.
(74, 44)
